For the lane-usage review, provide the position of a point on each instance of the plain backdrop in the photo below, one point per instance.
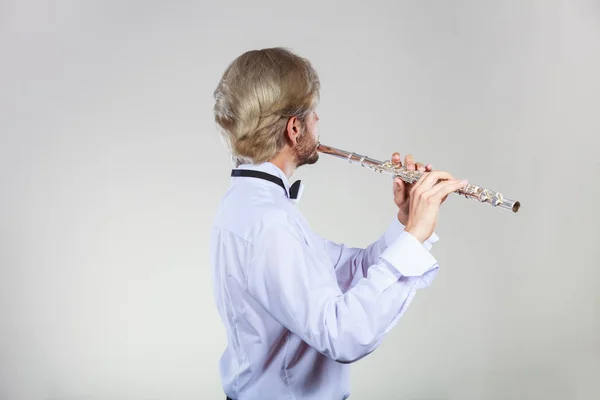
(111, 170)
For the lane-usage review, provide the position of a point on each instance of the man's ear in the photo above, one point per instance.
(292, 130)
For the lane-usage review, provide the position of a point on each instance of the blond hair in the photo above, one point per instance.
(258, 92)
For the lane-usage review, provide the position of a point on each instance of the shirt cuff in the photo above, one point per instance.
(430, 241)
(396, 228)
(409, 256)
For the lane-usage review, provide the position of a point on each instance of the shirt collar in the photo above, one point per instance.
(273, 169)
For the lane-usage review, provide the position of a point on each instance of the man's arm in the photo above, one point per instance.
(352, 263)
(291, 281)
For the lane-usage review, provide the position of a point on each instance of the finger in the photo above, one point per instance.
(396, 159)
(443, 189)
(428, 179)
(399, 184)
(409, 162)
(419, 166)
(421, 179)
(429, 167)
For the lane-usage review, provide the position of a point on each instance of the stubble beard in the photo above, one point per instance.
(306, 150)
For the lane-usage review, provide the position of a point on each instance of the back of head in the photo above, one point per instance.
(259, 91)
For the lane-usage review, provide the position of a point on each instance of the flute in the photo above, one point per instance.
(474, 192)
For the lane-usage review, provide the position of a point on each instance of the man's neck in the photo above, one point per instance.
(285, 163)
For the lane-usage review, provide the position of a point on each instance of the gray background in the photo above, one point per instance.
(111, 169)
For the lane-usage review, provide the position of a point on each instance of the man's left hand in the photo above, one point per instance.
(402, 189)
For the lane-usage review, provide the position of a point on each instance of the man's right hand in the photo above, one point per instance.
(426, 197)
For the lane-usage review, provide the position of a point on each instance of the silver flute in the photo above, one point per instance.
(410, 176)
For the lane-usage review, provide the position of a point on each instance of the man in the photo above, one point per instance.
(299, 308)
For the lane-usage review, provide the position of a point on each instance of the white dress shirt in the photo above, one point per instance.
(298, 308)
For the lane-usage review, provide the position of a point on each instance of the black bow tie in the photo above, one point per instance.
(294, 189)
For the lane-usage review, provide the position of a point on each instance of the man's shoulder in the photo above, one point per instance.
(249, 219)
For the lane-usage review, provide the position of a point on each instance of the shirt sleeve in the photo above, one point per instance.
(298, 287)
(352, 263)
